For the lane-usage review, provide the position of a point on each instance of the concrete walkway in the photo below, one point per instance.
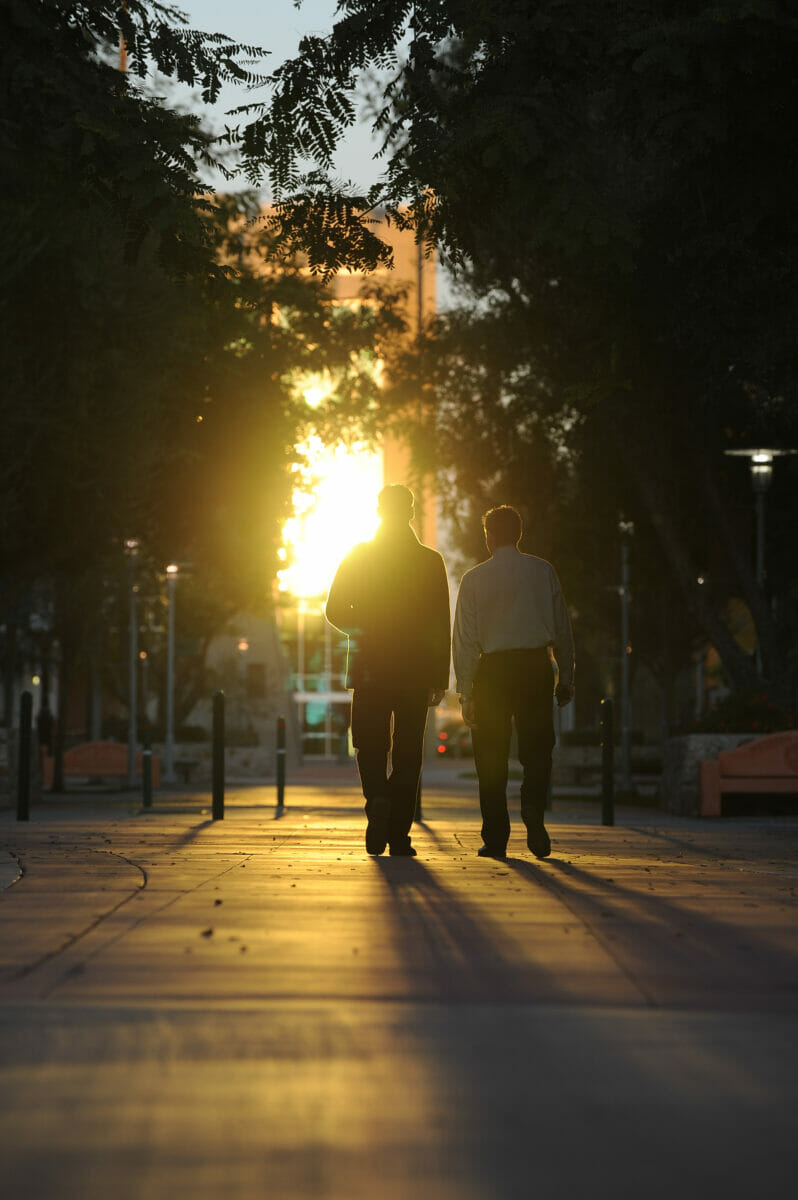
(254, 1008)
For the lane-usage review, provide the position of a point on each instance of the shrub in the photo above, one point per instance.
(745, 712)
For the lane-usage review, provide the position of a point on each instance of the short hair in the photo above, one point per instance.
(504, 524)
(395, 502)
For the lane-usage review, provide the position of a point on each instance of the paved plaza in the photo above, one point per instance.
(254, 1008)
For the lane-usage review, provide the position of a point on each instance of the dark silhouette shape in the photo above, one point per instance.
(45, 727)
(391, 597)
(510, 611)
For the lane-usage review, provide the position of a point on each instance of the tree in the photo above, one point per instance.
(152, 336)
(620, 177)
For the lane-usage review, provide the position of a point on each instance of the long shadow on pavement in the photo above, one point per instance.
(454, 952)
(675, 954)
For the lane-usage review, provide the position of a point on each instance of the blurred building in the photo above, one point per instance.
(297, 663)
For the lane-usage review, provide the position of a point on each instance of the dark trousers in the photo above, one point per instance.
(512, 685)
(375, 741)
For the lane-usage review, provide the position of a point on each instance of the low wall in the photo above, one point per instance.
(580, 766)
(255, 764)
(680, 787)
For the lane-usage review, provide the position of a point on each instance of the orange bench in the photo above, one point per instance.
(97, 760)
(767, 765)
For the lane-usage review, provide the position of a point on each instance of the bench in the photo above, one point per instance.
(97, 760)
(767, 765)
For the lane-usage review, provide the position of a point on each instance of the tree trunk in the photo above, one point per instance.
(9, 674)
(776, 678)
(59, 740)
(739, 665)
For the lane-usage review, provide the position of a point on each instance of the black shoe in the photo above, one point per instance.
(407, 851)
(377, 828)
(538, 841)
(486, 852)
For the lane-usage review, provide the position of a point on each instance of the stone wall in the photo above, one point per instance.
(680, 788)
(251, 764)
(580, 766)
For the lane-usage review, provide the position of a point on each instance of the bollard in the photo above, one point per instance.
(280, 761)
(146, 768)
(418, 816)
(218, 756)
(607, 766)
(23, 757)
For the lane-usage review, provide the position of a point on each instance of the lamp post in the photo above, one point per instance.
(242, 646)
(132, 552)
(626, 529)
(761, 463)
(172, 572)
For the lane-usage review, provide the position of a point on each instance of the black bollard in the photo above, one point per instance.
(23, 757)
(280, 762)
(218, 756)
(607, 765)
(146, 768)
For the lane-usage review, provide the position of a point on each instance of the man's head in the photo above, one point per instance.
(395, 504)
(502, 526)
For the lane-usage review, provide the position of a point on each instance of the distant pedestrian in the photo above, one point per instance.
(391, 596)
(510, 613)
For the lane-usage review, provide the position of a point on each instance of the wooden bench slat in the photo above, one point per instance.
(767, 765)
(98, 760)
(767, 784)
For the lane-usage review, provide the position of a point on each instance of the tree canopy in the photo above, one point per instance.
(153, 337)
(620, 180)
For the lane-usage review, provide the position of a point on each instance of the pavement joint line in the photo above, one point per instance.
(75, 941)
(6, 878)
(27, 970)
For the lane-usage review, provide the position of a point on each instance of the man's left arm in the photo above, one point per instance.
(441, 641)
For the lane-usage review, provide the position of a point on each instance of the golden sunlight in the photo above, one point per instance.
(335, 503)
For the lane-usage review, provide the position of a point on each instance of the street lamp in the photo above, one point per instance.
(172, 572)
(761, 463)
(626, 529)
(144, 659)
(132, 553)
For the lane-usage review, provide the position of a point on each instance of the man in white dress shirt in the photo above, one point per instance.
(509, 622)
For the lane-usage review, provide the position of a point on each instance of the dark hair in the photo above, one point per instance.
(503, 523)
(395, 502)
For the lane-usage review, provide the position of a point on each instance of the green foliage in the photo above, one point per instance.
(620, 180)
(153, 336)
(745, 712)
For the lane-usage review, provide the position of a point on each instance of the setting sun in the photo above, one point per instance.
(335, 502)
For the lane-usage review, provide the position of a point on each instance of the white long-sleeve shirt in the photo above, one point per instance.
(513, 601)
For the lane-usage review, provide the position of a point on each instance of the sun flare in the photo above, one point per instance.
(335, 503)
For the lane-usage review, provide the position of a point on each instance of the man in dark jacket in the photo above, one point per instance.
(391, 596)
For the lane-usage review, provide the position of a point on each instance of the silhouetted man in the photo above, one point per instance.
(391, 597)
(509, 611)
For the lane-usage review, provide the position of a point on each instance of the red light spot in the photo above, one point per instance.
(441, 749)
(443, 736)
